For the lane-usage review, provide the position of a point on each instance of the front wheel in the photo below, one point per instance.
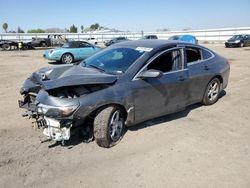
(109, 126)
(67, 58)
(43, 44)
(212, 92)
(241, 44)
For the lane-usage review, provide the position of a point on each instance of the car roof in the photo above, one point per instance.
(150, 43)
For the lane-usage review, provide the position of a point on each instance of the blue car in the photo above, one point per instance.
(71, 51)
(185, 38)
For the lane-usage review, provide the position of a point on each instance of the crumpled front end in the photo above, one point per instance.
(53, 115)
(51, 96)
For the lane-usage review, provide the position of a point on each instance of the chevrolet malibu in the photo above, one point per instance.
(120, 86)
(71, 51)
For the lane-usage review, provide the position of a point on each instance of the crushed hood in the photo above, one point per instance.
(65, 75)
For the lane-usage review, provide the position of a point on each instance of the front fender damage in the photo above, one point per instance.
(55, 110)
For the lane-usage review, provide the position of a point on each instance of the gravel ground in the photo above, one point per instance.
(203, 146)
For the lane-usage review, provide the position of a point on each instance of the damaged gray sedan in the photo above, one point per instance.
(120, 86)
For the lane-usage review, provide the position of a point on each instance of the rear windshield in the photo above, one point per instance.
(70, 45)
(174, 38)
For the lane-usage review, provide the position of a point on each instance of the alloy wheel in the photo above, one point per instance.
(213, 91)
(116, 126)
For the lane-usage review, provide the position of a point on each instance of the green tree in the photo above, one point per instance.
(82, 28)
(95, 26)
(5, 27)
(73, 29)
(36, 31)
(19, 30)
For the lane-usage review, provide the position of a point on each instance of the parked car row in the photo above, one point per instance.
(88, 48)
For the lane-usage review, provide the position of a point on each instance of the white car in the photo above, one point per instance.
(93, 40)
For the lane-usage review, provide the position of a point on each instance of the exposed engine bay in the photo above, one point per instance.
(75, 91)
(51, 96)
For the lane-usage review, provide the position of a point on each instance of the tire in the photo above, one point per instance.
(67, 58)
(212, 92)
(43, 44)
(241, 44)
(109, 127)
(6, 47)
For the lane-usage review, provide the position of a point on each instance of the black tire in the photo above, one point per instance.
(67, 58)
(212, 92)
(6, 47)
(43, 44)
(104, 128)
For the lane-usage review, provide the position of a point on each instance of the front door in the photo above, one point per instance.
(154, 97)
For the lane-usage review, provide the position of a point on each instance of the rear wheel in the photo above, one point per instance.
(67, 58)
(109, 126)
(6, 47)
(212, 92)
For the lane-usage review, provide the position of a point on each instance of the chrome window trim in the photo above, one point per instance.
(159, 54)
(203, 60)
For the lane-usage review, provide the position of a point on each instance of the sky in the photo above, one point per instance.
(133, 15)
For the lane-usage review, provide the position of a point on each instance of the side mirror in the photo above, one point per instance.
(151, 73)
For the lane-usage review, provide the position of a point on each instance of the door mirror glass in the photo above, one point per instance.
(151, 73)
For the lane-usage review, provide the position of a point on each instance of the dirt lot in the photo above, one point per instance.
(204, 146)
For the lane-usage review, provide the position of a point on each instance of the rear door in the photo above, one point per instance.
(155, 97)
(197, 61)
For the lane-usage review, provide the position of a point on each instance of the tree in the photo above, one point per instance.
(95, 26)
(73, 29)
(82, 28)
(5, 27)
(36, 31)
(54, 30)
(186, 29)
(19, 30)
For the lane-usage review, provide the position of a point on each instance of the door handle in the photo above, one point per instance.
(181, 78)
(206, 67)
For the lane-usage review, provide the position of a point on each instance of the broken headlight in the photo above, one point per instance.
(52, 111)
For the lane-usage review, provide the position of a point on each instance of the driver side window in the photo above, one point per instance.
(169, 61)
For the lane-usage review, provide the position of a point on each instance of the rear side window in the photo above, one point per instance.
(206, 54)
(193, 55)
(169, 61)
(246, 37)
(84, 45)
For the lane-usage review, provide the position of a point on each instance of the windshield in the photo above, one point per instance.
(114, 61)
(236, 37)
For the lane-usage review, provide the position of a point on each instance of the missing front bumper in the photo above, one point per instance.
(55, 132)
